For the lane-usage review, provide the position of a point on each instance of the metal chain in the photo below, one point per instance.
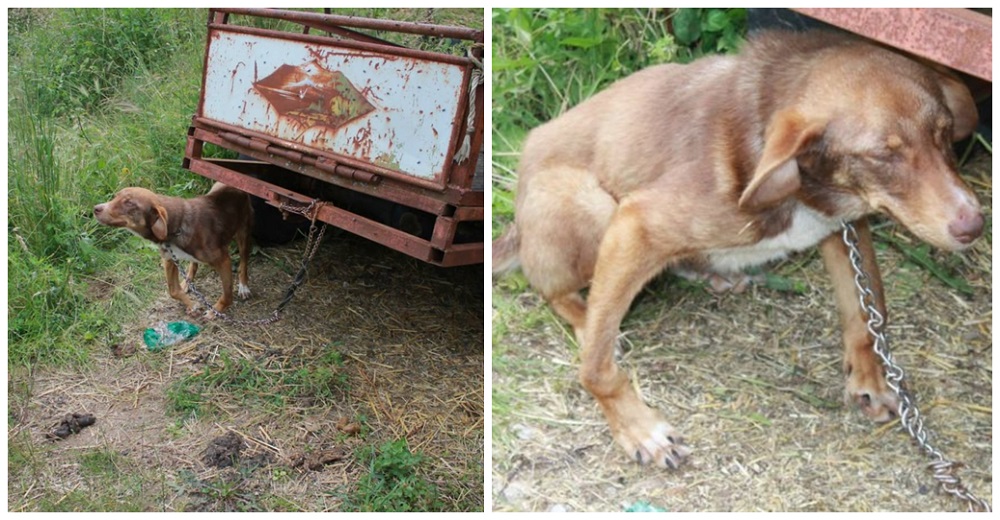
(909, 416)
(312, 245)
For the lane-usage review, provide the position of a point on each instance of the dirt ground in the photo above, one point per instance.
(754, 383)
(410, 342)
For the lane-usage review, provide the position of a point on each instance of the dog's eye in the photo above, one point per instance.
(881, 156)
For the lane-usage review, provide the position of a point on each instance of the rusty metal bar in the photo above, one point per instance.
(323, 163)
(958, 38)
(351, 44)
(462, 254)
(331, 166)
(444, 232)
(394, 238)
(439, 31)
(307, 152)
(469, 213)
(430, 202)
(347, 33)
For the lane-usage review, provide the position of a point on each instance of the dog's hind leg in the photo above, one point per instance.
(561, 218)
(243, 244)
(572, 308)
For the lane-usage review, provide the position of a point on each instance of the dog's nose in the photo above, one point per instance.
(967, 226)
(98, 209)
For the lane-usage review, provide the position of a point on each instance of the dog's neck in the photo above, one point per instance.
(172, 252)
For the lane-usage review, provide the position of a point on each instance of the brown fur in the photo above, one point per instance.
(200, 228)
(729, 162)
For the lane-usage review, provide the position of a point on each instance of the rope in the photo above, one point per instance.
(470, 120)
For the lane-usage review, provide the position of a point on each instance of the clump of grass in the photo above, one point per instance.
(82, 56)
(392, 482)
(258, 383)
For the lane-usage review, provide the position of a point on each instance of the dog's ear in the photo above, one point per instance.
(777, 173)
(159, 226)
(959, 101)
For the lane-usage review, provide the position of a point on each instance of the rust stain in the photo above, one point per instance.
(232, 75)
(362, 141)
(313, 96)
(368, 93)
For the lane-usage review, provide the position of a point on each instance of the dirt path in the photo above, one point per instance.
(376, 347)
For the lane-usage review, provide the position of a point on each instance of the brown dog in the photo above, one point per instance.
(726, 163)
(198, 230)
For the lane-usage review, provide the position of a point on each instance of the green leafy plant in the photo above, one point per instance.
(706, 31)
(392, 482)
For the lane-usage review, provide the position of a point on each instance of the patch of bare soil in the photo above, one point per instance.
(754, 383)
(410, 344)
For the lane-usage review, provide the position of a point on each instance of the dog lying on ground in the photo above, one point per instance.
(730, 162)
(198, 230)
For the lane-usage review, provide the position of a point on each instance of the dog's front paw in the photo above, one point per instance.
(193, 310)
(242, 291)
(648, 438)
(866, 388)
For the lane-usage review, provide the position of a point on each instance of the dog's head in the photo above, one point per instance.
(873, 132)
(137, 210)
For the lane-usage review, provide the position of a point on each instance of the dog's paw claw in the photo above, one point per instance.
(243, 291)
(660, 446)
(868, 390)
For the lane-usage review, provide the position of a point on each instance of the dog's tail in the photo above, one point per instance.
(505, 251)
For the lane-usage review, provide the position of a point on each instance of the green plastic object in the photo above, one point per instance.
(166, 334)
(644, 507)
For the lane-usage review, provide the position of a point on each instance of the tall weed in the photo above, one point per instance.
(98, 99)
(83, 55)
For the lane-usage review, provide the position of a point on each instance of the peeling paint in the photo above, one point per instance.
(362, 104)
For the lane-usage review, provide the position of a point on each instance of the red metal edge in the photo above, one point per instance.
(431, 201)
(206, 123)
(441, 178)
(404, 52)
(958, 38)
(426, 29)
(451, 255)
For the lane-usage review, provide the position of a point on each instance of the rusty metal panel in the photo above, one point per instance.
(398, 113)
(959, 38)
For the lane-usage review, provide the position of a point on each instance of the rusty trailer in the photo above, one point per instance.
(386, 139)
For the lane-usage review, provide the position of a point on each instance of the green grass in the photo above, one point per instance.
(104, 480)
(392, 481)
(99, 100)
(259, 383)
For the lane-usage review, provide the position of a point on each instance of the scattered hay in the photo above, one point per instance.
(754, 382)
(407, 338)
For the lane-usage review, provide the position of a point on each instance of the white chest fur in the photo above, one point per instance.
(807, 229)
(166, 249)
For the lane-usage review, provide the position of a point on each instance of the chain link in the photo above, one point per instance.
(311, 212)
(909, 416)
